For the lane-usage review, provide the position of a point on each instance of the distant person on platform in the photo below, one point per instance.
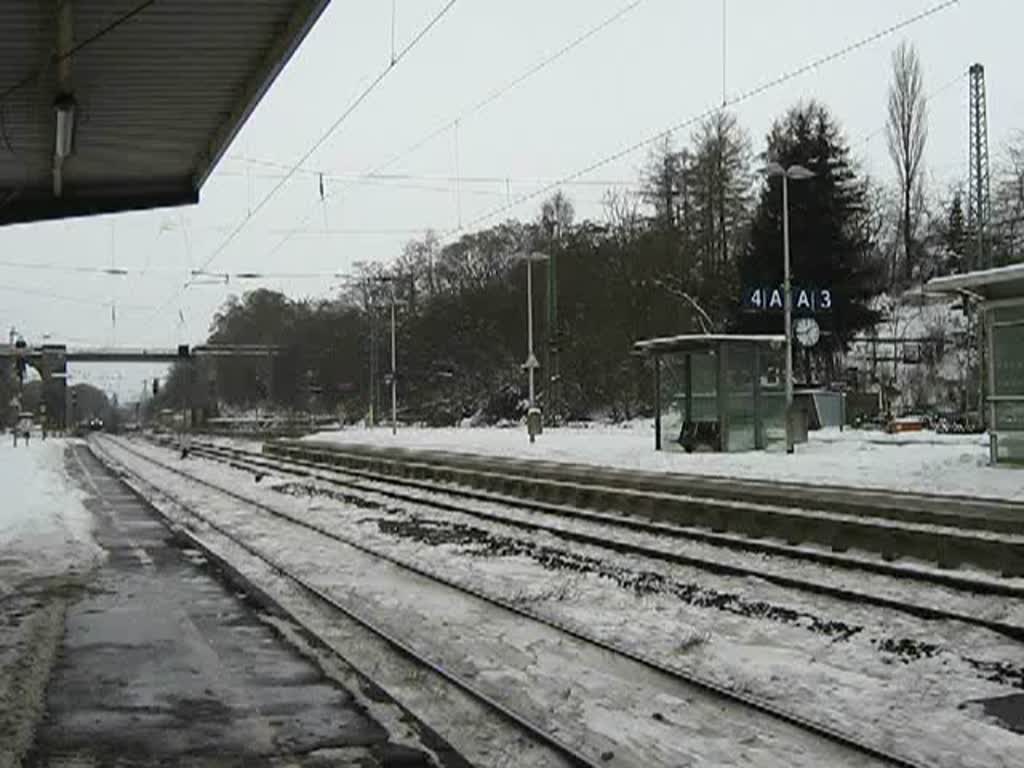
(23, 428)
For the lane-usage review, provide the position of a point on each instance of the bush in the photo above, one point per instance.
(506, 403)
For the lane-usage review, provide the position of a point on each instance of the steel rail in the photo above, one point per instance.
(681, 675)
(570, 753)
(1012, 631)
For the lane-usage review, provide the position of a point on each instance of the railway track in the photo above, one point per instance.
(572, 756)
(452, 500)
(947, 533)
(966, 512)
(743, 702)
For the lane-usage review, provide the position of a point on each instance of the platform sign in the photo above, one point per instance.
(806, 301)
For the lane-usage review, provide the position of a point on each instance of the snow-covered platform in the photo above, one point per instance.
(140, 653)
(921, 463)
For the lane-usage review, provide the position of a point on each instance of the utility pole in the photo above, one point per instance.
(394, 374)
(553, 371)
(979, 206)
(373, 356)
(394, 380)
(978, 189)
(787, 293)
(669, 181)
(533, 414)
(795, 173)
(69, 411)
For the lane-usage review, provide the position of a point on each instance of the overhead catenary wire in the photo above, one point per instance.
(574, 179)
(352, 107)
(479, 105)
(868, 138)
(500, 92)
(126, 272)
(737, 99)
(351, 177)
(32, 292)
(68, 268)
(731, 102)
(330, 131)
(253, 275)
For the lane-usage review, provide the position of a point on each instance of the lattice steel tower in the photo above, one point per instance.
(978, 202)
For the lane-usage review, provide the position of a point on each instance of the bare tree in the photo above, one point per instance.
(662, 182)
(622, 213)
(906, 133)
(556, 215)
(721, 187)
(1008, 225)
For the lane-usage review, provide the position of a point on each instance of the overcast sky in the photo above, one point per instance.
(657, 65)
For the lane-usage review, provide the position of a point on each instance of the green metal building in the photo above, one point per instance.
(999, 295)
(718, 392)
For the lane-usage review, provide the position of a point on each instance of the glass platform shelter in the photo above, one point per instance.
(718, 392)
(999, 295)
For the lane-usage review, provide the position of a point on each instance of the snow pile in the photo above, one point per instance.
(45, 543)
(45, 530)
(923, 462)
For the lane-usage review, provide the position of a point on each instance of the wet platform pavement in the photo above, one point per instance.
(164, 664)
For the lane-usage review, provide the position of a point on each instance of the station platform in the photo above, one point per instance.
(163, 664)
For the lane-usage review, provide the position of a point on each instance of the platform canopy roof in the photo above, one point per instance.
(986, 284)
(114, 105)
(702, 342)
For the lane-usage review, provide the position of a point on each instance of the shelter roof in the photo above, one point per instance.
(703, 342)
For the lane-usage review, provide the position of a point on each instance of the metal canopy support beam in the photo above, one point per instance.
(19, 212)
(301, 21)
(65, 41)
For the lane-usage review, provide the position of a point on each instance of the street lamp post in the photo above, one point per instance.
(796, 173)
(390, 280)
(529, 329)
(394, 382)
(531, 359)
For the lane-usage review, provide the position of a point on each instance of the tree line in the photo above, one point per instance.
(680, 256)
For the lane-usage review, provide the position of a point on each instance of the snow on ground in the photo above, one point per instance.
(923, 462)
(45, 546)
(45, 530)
(864, 670)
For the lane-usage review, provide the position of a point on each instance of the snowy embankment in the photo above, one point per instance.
(45, 546)
(45, 530)
(923, 462)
